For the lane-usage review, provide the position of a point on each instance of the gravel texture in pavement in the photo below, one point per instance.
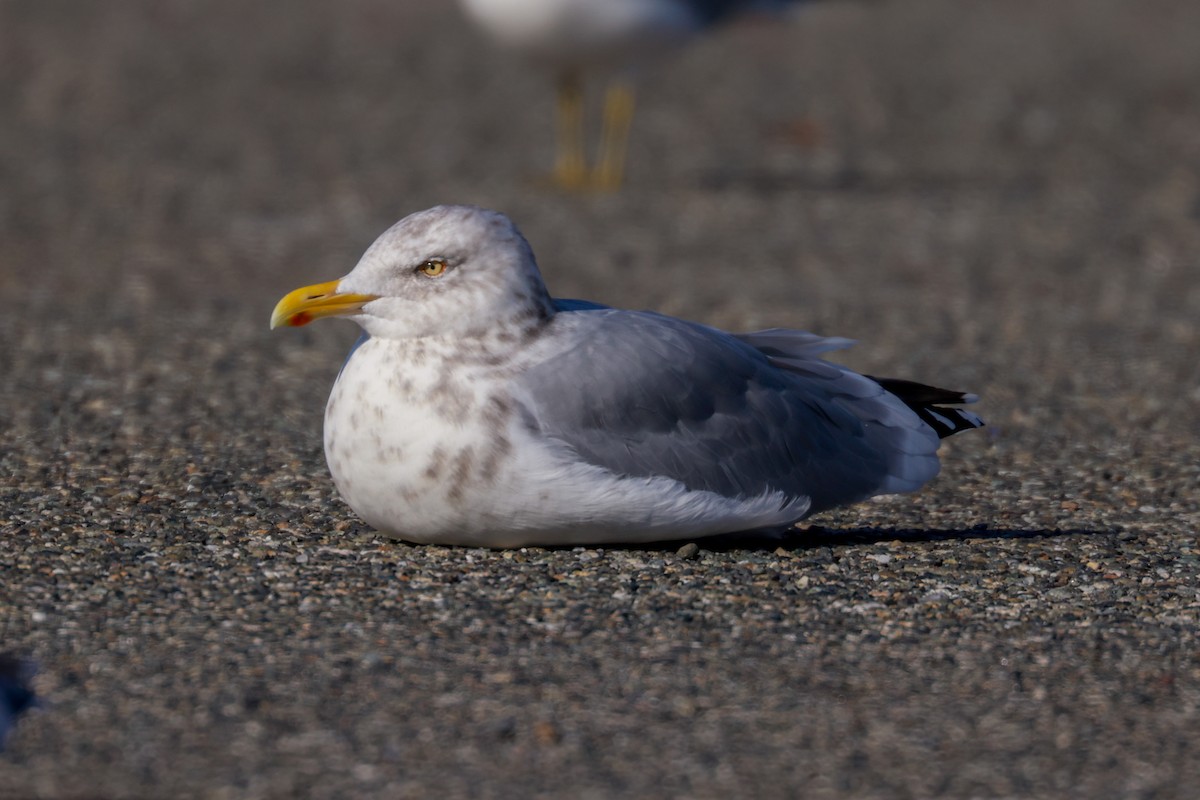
(1001, 197)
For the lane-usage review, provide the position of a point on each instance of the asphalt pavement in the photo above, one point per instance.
(1000, 196)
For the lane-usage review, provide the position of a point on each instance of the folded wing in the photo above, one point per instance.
(641, 394)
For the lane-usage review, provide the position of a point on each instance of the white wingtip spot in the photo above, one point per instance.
(941, 419)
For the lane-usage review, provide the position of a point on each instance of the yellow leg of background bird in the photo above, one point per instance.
(614, 141)
(570, 165)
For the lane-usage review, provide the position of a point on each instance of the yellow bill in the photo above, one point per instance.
(313, 302)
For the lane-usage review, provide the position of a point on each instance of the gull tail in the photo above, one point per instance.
(930, 404)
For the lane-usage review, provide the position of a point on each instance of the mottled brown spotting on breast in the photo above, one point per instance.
(497, 450)
(492, 359)
(437, 463)
(468, 350)
(400, 384)
(380, 448)
(417, 354)
(496, 412)
(450, 399)
(464, 462)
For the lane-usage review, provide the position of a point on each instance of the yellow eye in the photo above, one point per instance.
(433, 268)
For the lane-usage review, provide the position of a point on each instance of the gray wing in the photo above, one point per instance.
(642, 394)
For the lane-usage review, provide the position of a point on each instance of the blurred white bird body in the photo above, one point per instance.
(575, 36)
(585, 33)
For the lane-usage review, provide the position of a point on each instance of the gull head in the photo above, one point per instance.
(450, 270)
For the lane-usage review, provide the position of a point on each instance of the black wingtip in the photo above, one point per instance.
(930, 404)
(947, 421)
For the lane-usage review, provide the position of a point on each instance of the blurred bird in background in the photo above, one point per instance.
(15, 695)
(614, 36)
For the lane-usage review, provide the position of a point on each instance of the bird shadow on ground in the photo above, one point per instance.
(812, 537)
(815, 537)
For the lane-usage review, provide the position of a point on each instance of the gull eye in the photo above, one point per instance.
(433, 268)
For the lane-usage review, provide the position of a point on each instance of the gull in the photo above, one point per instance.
(616, 36)
(478, 410)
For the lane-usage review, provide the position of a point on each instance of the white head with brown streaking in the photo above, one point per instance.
(456, 270)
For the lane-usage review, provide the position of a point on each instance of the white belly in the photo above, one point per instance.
(403, 446)
(427, 452)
